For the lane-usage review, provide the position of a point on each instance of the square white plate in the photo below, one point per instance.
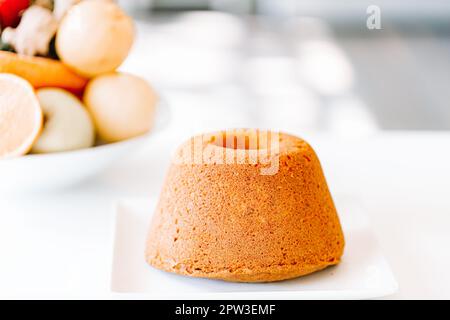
(363, 272)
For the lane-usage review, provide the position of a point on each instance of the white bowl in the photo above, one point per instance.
(38, 172)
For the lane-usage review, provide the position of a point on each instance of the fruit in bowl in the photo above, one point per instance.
(59, 88)
(122, 105)
(68, 125)
(42, 72)
(10, 12)
(20, 116)
(103, 32)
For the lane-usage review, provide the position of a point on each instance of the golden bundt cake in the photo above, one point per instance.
(245, 205)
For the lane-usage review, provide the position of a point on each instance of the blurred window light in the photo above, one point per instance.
(350, 117)
(234, 6)
(193, 113)
(324, 66)
(207, 29)
(307, 28)
(271, 75)
(162, 58)
(294, 113)
(355, 10)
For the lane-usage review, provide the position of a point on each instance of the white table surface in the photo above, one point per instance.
(59, 244)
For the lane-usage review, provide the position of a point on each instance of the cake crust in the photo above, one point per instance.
(230, 222)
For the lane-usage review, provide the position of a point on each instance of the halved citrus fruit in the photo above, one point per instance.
(20, 116)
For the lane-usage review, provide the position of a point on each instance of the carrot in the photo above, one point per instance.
(41, 72)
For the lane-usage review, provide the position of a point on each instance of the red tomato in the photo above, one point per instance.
(10, 12)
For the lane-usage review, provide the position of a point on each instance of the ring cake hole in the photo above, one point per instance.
(245, 140)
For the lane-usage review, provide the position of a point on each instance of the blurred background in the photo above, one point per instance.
(299, 65)
(303, 66)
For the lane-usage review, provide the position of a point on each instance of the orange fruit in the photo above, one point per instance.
(20, 116)
(41, 72)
